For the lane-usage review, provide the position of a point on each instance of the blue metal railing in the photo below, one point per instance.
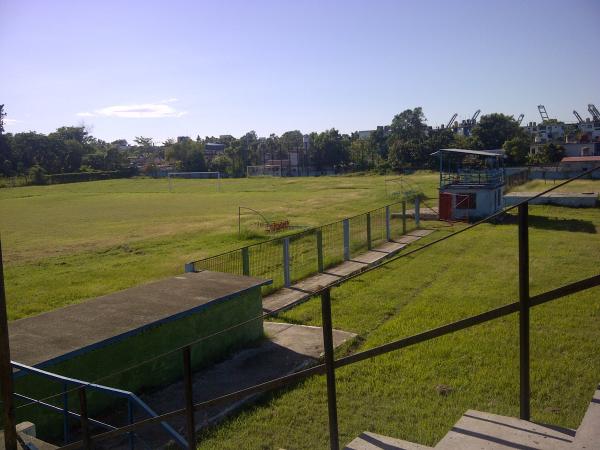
(132, 401)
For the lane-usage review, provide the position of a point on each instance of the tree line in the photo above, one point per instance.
(406, 144)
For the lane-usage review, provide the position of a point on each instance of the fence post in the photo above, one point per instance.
(65, 397)
(83, 415)
(346, 224)
(6, 374)
(320, 250)
(388, 232)
(131, 435)
(369, 246)
(417, 211)
(524, 311)
(245, 261)
(286, 262)
(329, 369)
(189, 398)
(189, 268)
(403, 216)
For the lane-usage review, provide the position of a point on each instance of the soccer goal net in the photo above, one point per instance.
(263, 171)
(194, 176)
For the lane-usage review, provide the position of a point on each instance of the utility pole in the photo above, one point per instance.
(6, 378)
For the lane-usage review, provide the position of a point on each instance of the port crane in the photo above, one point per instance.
(594, 112)
(543, 113)
(451, 120)
(520, 119)
(474, 118)
(576, 114)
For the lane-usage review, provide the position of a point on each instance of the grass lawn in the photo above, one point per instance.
(397, 394)
(65, 243)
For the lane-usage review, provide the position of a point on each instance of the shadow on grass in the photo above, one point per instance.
(553, 223)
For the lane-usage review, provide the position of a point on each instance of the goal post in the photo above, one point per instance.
(266, 170)
(194, 176)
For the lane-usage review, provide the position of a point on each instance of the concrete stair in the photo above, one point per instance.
(372, 441)
(477, 430)
(588, 433)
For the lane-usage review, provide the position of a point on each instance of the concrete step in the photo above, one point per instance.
(372, 441)
(484, 431)
(588, 433)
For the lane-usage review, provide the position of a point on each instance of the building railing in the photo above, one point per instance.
(291, 258)
(492, 177)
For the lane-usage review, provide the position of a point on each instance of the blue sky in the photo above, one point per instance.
(170, 68)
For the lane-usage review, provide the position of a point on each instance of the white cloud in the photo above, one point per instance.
(141, 111)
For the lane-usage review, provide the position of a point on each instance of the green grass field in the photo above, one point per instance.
(397, 394)
(65, 243)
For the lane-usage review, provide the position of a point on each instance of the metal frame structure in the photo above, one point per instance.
(330, 364)
(262, 168)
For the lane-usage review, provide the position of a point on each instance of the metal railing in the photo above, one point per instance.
(288, 259)
(330, 364)
(473, 177)
(81, 386)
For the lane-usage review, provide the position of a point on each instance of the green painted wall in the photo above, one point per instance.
(99, 364)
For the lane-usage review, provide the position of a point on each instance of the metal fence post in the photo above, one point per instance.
(246, 261)
(417, 211)
(330, 369)
(404, 217)
(525, 392)
(130, 435)
(369, 245)
(388, 232)
(189, 398)
(286, 262)
(65, 397)
(320, 250)
(83, 415)
(6, 374)
(346, 224)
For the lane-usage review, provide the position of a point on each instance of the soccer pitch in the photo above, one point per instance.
(65, 243)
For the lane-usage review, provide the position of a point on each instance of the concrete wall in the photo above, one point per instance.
(124, 353)
(487, 202)
(559, 199)
(536, 174)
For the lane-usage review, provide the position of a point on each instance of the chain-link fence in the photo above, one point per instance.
(288, 259)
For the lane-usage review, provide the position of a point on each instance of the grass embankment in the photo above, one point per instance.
(65, 243)
(418, 393)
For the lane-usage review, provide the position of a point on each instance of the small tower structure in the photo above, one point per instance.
(471, 183)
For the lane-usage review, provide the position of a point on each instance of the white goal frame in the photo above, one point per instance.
(196, 176)
(265, 170)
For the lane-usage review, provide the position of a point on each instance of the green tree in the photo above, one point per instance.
(409, 125)
(2, 116)
(222, 164)
(37, 174)
(494, 129)
(548, 154)
(187, 154)
(517, 149)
